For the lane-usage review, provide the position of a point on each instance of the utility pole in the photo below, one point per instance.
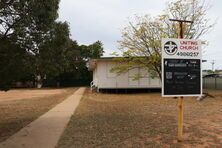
(180, 100)
(213, 62)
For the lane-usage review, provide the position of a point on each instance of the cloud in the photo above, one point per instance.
(92, 20)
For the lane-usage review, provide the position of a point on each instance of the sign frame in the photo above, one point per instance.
(165, 40)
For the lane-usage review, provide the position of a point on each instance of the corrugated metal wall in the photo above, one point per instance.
(212, 83)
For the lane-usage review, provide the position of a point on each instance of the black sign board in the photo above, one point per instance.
(182, 76)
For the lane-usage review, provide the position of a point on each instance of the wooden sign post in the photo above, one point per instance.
(181, 71)
(180, 101)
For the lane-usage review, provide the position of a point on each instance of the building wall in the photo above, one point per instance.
(212, 83)
(104, 78)
(95, 77)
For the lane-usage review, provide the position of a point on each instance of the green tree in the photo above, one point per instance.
(12, 63)
(24, 25)
(94, 50)
(51, 60)
(27, 22)
(77, 56)
(141, 39)
(36, 45)
(65, 62)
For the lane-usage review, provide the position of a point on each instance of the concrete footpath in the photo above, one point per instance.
(45, 131)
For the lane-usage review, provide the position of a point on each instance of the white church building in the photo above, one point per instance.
(103, 78)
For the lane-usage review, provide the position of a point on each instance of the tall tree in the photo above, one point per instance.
(24, 25)
(51, 60)
(94, 50)
(66, 63)
(27, 21)
(141, 39)
(12, 61)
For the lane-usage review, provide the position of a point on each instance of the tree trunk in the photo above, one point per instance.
(39, 81)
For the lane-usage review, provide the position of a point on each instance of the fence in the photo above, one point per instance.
(212, 83)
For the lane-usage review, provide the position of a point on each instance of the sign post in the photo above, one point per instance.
(181, 71)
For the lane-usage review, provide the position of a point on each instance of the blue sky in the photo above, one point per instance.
(92, 20)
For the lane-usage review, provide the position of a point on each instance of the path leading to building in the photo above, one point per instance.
(45, 131)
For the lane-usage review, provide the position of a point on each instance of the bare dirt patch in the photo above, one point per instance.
(18, 111)
(143, 120)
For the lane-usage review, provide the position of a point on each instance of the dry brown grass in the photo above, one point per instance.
(20, 94)
(15, 113)
(143, 120)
